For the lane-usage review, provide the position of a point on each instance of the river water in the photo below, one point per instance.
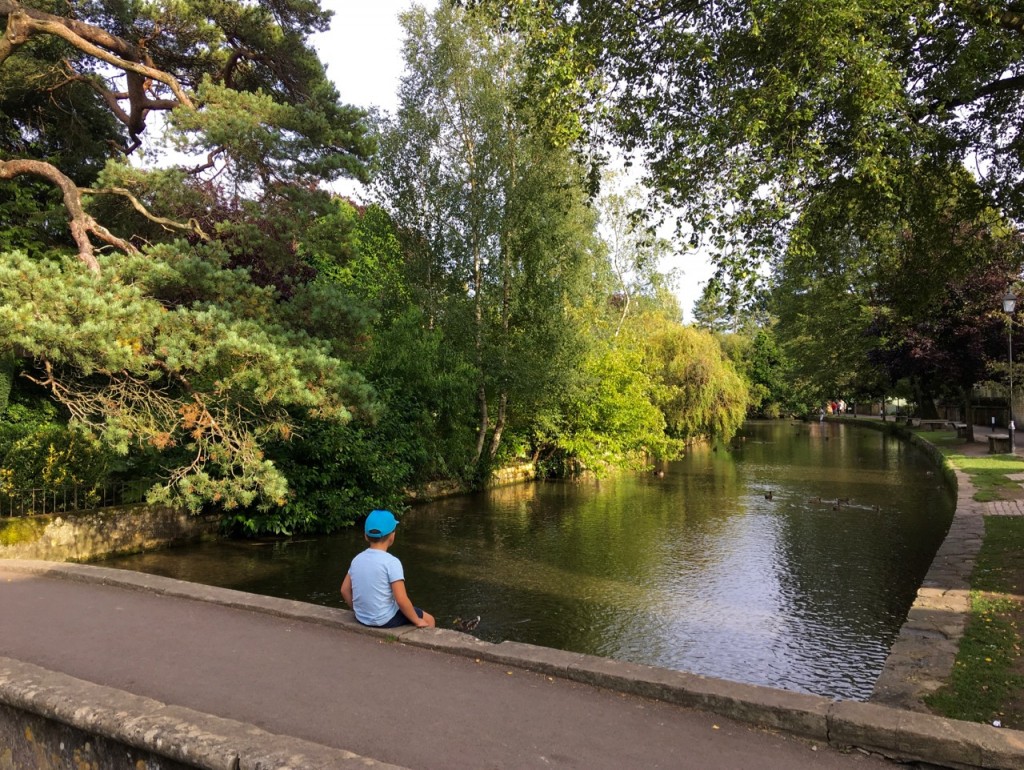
(696, 570)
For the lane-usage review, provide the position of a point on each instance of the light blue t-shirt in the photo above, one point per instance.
(372, 572)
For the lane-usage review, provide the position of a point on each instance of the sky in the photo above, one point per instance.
(363, 54)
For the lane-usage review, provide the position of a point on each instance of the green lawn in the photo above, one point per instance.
(987, 683)
(988, 472)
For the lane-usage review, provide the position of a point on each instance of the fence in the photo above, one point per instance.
(28, 502)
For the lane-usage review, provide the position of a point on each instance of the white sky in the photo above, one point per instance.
(363, 55)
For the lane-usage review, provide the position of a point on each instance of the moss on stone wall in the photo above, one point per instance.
(22, 530)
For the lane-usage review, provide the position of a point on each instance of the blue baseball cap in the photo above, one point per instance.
(380, 524)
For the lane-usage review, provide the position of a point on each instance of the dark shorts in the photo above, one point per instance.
(401, 620)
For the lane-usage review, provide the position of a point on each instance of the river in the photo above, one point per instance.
(789, 558)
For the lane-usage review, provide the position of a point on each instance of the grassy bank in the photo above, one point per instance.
(987, 683)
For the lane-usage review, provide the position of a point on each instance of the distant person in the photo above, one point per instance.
(821, 414)
(374, 586)
(842, 406)
(993, 430)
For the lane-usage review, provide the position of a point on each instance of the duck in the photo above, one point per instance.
(814, 500)
(466, 625)
(769, 495)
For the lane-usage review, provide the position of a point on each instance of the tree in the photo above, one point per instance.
(238, 82)
(495, 215)
(175, 356)
(745, 111)
(697, 389)
(634, 250)
(203, 384)
(854, 287)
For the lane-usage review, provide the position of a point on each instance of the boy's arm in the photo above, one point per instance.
(346, 589)
(405, 605)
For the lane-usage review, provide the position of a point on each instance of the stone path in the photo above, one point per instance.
(1003, 508)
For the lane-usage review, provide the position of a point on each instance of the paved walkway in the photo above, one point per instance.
(383, 700)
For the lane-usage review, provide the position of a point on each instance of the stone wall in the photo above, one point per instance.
(31, 741)
(513, 474)
(88, 535)
(51, 721)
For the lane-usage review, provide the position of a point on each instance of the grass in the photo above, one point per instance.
(990, 473)
(987, 683)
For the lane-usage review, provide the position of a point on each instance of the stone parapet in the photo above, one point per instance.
(51, 721)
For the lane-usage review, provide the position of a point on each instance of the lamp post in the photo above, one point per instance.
(1009, 305)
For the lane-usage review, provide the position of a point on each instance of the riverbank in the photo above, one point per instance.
(960, 652)
(987, 680)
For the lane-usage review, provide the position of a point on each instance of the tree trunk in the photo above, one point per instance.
(481, 434)
(968, 413)
(499, 425)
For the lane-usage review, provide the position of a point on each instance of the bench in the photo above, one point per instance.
(961, 429)
(934, 424)
(998, 443)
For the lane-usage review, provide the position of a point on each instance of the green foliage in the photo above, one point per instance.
(269, 139)
(746, 111)
(294, 359)
(769, 374)
(496, 215)
(173, 355)
(606, 420)
(697, 387)
(39, 450)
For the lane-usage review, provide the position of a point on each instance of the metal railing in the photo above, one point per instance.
(41, 500)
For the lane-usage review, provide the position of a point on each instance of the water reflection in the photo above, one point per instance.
(697, 570)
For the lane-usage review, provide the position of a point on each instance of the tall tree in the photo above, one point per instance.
(635, 250)
(496, 211)
(238, 82)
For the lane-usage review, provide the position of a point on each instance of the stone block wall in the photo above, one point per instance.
(88, 535)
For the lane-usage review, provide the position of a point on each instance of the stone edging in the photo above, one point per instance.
(896, 733)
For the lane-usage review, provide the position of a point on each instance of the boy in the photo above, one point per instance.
(374, 586)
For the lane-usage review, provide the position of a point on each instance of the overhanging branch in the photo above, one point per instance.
(80, 222)
(192, 225)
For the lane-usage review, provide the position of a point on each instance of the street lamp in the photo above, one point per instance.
(1009, 305)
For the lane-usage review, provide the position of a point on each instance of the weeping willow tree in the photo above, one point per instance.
(697, 388)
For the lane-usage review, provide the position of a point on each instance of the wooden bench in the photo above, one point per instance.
(935, 424)
(961, 429)
(999, 443)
